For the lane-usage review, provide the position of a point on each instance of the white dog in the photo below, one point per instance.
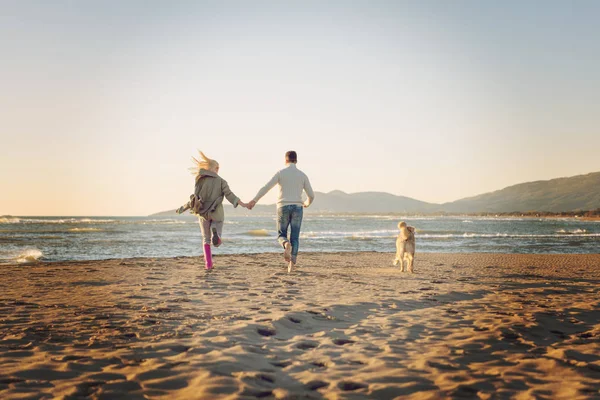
(405, 247)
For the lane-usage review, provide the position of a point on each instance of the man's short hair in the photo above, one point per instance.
(291, 156)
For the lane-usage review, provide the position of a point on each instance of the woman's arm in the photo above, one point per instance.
(232, 198)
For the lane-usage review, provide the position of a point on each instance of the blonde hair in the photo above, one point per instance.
(203, 163)
(401, 225)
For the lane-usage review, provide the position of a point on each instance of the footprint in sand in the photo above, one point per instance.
(341, 342)
(87, 388)
(106, 376)
(510, 336)
(442, 366)
(319, 364)
(281, 364)
(266, 331)
(355, 362)
(464, 391)
(265, 378)
(306, 345)
(316, 385)
(350, 386)
(257, 393)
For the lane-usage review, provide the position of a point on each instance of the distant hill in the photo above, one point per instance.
(368, 202)
(340, 202)
(581, 192)
(576, 193)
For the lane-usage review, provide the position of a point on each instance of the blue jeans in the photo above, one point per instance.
(290, 215)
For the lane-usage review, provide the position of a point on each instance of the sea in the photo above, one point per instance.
(33, 239)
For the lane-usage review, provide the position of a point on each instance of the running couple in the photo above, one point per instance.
(211, 189)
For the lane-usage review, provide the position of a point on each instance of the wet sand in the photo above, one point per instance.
(343, 325)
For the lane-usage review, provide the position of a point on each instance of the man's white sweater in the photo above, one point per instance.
(291, 182)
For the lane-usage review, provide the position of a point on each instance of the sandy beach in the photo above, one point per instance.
(342, 326)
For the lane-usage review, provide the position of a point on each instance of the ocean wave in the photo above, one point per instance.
(163, 221)
(91, 221)
(85, 230)
(375, 233)
(66, 221)
(504, 235)
(574, 232)
(29, 256)
(361, 238)
(396, 217)
(9, 220)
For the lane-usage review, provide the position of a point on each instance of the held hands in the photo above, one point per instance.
(249, 206)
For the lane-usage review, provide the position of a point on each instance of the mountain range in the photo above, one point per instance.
(581, 192)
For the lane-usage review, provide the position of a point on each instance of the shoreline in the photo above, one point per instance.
(276, 254)
(276, 257)
(477, 325)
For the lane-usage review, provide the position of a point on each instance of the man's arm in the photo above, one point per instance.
(274, 180)
(309, 192)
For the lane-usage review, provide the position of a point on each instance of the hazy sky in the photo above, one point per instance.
(102, 103)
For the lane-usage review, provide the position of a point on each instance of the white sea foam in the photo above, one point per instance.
(574, 232)
(9, 220)
(29, 256)
(506, 235)
(66, 221)
(357, 237)
(164, 221)
(375, 233)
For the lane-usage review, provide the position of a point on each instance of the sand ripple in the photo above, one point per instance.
(342, 326)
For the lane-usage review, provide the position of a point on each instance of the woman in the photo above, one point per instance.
(210, 189)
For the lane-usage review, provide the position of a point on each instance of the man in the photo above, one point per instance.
(291, 183)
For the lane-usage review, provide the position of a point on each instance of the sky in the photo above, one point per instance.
(103, 103)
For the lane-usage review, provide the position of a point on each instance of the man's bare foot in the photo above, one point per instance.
(287, 253)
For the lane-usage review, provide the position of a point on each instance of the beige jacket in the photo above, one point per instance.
(211, 188)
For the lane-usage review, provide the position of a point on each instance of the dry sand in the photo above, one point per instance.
(344, 325)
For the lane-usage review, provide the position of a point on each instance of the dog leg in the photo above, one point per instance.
(410, 260)
(401, 259)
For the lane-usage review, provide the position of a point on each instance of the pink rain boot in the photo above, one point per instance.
(208, 257)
